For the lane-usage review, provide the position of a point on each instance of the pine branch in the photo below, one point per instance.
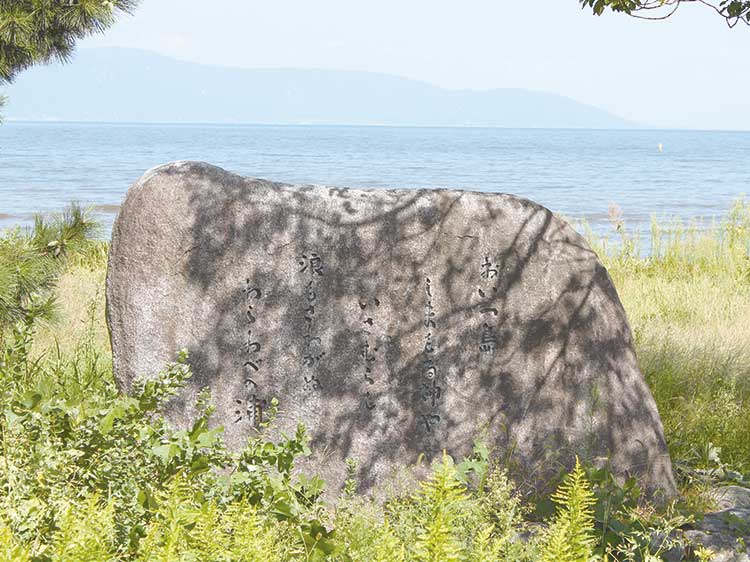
(41, 31)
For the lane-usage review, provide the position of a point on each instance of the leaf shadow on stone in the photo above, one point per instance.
(561, 379)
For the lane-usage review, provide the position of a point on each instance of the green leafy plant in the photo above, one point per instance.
(571, 537)
(443, 497)
(11, 549)
(85, 533)
(57, 453)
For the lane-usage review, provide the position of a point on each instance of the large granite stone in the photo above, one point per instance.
(390, 322)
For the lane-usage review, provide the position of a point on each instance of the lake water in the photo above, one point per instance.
(577, 173)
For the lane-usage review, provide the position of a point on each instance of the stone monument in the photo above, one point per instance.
(392, 323)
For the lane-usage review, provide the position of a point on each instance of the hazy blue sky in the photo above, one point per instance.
(690, 71)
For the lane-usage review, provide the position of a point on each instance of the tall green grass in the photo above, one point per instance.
(687, 295)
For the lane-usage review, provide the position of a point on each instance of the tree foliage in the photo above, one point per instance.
(31, 262)
(733, 11)
(40, 31)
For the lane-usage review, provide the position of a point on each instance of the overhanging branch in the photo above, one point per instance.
(733, 11)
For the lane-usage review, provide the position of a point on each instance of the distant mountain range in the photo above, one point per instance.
(129, 85)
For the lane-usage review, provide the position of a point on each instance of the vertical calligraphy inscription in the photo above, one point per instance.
(250, 407)
(368, 350)
(430, 393)
(488, 278)
(311, 268)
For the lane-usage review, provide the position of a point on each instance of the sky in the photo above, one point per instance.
(690, 71)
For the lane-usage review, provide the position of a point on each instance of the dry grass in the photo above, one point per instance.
(80, 311)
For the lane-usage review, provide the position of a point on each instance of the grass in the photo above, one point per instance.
(80, 307)
(688, 304)
(86, 474)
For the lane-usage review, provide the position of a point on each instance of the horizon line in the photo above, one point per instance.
(9, 120)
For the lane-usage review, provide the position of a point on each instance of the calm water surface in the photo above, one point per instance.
(578, 173)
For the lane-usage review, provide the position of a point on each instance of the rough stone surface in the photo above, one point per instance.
(726, 533)
(390, 322)
(732, 496)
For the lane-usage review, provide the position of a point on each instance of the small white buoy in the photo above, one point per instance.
(661, 147)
